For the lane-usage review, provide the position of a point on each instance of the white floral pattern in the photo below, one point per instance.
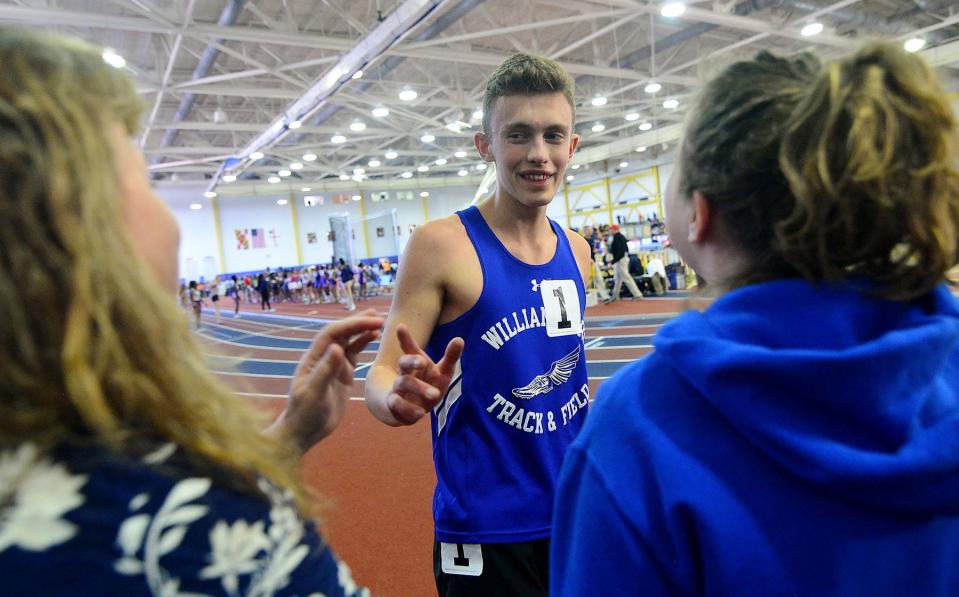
(254, 550)
(36, 493)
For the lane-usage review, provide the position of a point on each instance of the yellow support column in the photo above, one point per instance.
(366, 235)
(569, 218)
(296, 230)
(219, 235)
(426, 209)
(609, 199)
(659, 194)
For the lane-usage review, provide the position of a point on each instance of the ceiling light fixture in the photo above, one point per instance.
(632, 116)
(407, 175)
(599, 100)
(462, 173)
(358, 74)
(641, 148)
(425, 194)
(111, 57)
(281, 201)
(256, 155)
(441, 162)
(460, 154)
(672, 9)
(645, 126)
(914, 44)
(408, 95)
(357, 126)
(422, 168)
(390, 155)
(338, 139)
(209, 194)
(811, 29)
(229, 178)
(380, 112)
(284, 173)
(309, 157)
(599, 127)
(428, 138)
(344, 176)
(671, 104)
(196, 206)
(295, 125)
(296, 166)
(652, 87)
(374, 163)
(273, 179)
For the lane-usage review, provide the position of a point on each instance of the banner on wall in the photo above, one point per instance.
(259, 239)
(247, 238)
(242, 239)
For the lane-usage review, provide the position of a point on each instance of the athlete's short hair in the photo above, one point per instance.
(525, 74)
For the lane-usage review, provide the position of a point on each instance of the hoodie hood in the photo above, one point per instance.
(855, 395)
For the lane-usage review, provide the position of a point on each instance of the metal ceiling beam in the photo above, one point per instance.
(228, 90)
(174, 52)
(256, 72)
(496, 32)
(757, 26)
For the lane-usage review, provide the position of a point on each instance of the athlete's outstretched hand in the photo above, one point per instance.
(420, 383)
(321, 384)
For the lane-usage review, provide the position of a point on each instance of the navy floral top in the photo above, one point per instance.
(92, 523)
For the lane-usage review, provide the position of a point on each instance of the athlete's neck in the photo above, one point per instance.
(526, 233)
(514, 220)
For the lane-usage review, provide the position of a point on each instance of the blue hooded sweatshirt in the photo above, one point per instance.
(790, 440)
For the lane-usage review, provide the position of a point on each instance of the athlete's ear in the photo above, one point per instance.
(483, 146)
(574, 142)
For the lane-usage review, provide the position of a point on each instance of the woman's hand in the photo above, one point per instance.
(322, 382)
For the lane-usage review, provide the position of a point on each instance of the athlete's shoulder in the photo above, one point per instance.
(579, 246)
(438, 241)
(440, 231)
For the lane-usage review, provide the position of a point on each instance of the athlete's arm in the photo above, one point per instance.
(404, 383)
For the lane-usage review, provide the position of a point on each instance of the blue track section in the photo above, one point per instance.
(612, 323)
(247, 339)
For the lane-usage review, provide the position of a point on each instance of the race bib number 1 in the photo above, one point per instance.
(563, 313)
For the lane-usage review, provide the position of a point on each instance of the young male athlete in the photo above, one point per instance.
(496, 294)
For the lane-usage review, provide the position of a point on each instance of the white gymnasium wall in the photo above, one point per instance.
(240, 217)
(316, 221)
(199, 251)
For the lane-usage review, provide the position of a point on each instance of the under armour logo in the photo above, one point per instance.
(535, 285)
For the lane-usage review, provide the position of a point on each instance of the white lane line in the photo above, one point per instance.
(593, 342)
